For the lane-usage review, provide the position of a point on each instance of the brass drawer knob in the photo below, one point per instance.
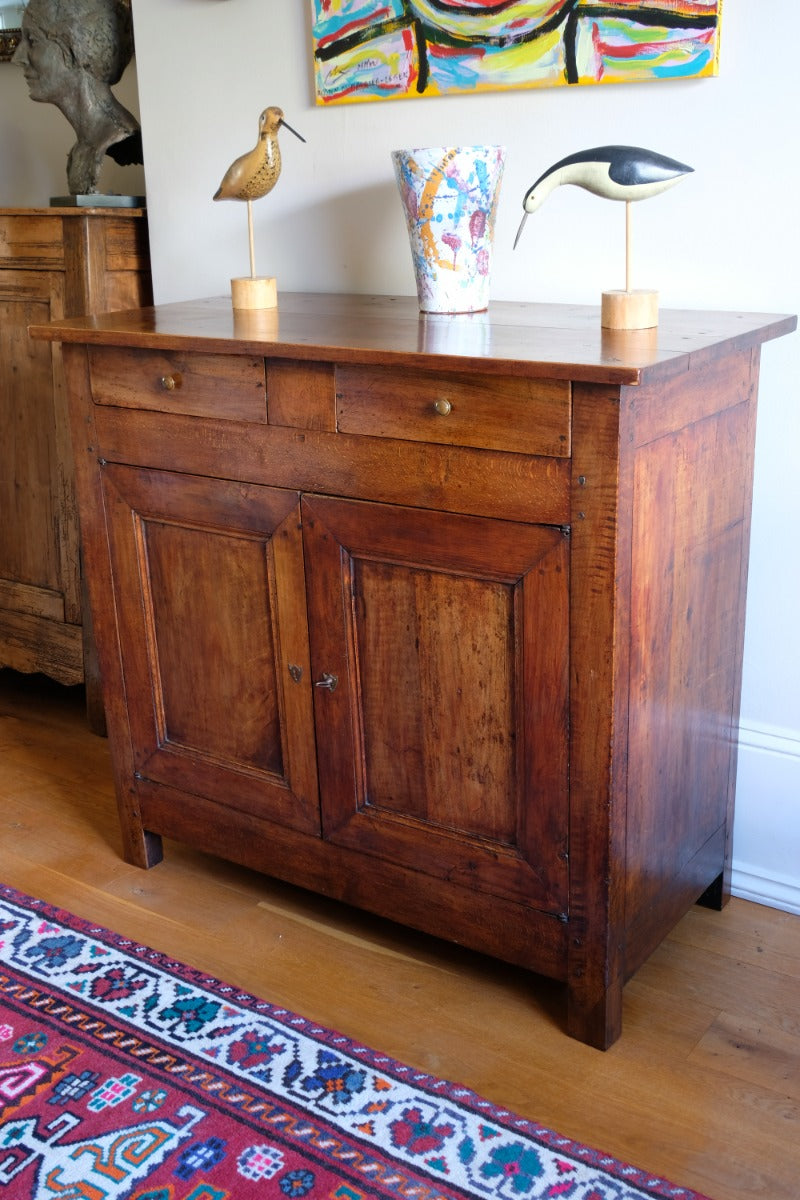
(170, 382)
(442, 406)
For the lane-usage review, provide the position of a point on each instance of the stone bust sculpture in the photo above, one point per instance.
(71, 52)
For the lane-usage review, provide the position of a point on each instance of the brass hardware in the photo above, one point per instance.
(170, 382)
(442, 406)
(328, 681)
(295, 672)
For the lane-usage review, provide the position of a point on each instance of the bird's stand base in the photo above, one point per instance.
(250, 293)
(629, 310)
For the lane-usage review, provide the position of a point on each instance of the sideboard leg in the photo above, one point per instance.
(145, 851)
(140, 847)
(592, 1018)
(718, 893)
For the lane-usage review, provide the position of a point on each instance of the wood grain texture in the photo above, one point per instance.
(485, 482)
(517, 726)
(217, 571)
(448, 636)
(204, 385)
(522, 416)
(549, 341)
(702, 1088)
(598, 695)
(53, 263)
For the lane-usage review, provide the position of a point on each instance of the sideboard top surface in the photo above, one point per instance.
(550, 340)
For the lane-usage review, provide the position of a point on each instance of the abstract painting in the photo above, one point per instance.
(388, 49)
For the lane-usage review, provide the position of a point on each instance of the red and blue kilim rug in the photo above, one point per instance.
(124, 1074)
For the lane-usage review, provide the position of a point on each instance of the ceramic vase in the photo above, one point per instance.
(449, 196)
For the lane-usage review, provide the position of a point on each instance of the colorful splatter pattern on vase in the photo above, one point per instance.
(449, 196)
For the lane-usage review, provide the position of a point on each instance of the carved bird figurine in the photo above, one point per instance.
(255, 174)
(613, 172)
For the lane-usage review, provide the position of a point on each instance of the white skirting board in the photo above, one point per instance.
(775, 893)
(766, 832)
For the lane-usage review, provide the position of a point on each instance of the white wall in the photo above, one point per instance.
(36, 138)
(726, 237)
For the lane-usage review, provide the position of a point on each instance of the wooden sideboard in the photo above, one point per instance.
(442, 617)
(54, 262)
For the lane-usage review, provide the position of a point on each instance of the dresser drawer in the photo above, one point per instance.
(33, 241)
(494, 412)
(229, 387)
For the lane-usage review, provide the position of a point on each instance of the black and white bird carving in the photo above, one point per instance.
(613, 172)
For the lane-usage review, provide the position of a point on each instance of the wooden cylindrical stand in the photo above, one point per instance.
(629, 310)
(252, 293)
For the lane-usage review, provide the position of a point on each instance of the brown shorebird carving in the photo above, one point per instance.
(255, 174)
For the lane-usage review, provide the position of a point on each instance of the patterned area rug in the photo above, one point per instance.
(124, 1074)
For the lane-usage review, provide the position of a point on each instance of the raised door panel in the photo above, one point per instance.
(40, 601)
(439, 649)
(209, 591)
(30, 498)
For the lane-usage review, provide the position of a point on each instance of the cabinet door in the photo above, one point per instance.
(439, 651)
(40, 610)
(210, 599)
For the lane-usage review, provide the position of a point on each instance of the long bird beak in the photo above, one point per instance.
(294, 131)
(521, 227)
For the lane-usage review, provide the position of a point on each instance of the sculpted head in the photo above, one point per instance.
(62, 38)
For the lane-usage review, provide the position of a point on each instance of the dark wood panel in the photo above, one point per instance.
(597, 720)
(194, 384)
(438, 679)
(547, 341)
(518, 728)
(301, 395)
(448, 639)
(382, 469)
(514, 932)
(522, 416)
(715, 386)
(691, 500)
(31, 506)
(209, 629)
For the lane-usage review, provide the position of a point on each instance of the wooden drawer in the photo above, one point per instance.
(31, 241)
(228, 387)
(495, 412)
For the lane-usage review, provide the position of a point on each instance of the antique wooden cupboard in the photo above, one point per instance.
(442, 617)
(54, 262)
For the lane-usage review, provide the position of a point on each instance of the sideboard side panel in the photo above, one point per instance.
(690, 538)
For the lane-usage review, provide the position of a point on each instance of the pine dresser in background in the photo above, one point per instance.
(54, 262)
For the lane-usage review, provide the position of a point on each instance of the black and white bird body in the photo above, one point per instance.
(613, 172)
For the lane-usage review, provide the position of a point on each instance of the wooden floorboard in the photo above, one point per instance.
(703, 1087)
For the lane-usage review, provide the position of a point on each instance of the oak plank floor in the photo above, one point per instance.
(702, 1088)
